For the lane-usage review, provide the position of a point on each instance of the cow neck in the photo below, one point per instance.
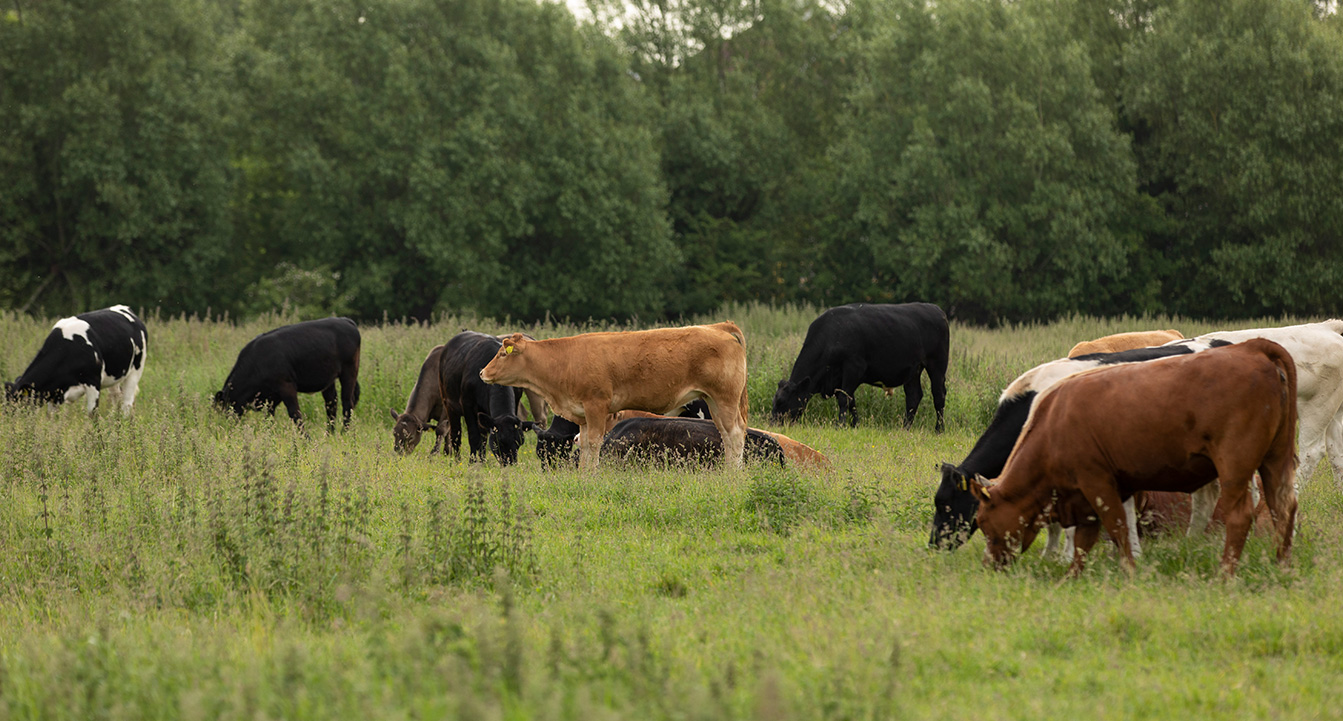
(426, 397)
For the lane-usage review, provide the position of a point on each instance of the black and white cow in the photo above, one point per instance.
(307, 357)
(882, 345)
(490, 411)
(662, 440)
(85, 355)
(954, 506)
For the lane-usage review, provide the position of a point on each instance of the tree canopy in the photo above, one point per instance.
(1009, 161)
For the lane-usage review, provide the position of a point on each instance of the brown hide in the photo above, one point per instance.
(1167, 425)
(1163, 512)
(595, 375)
(425, 404)
(1124, 341)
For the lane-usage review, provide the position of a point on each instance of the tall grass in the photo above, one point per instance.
(179, 563)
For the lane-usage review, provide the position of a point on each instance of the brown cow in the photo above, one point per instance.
(1124, 341)
(1167, 425)
(590, 376)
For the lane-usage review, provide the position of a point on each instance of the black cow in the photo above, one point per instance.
(691, 441)
(84, 355)
(307, 357)
(954, 506)
(881, 345)
(558, 444)
(490, 410)
(424, 409)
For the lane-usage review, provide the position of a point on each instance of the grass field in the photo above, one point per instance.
(180, 564)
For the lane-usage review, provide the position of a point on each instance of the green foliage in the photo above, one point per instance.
(1240, 108)
(1010, 161)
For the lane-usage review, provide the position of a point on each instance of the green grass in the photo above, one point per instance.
(182, 564)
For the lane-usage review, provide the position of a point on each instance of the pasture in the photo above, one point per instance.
(180, 563)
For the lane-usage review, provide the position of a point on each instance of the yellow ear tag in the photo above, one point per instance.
(508, 349)
(965, 484)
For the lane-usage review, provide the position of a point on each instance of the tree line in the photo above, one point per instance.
(1010, 161)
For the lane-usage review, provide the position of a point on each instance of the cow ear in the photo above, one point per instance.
(979, 487)
(783, 383)
(427, 427)
(484, 420)
(532, 426)
(395, 416)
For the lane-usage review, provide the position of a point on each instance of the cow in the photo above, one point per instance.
(84, 355)
(954, 505)
(590, 376)
(877, 344)
(489, 411)
(662, 440)
(1176, 425)
(1125, 341)
(307, 357)
(1317, 349)
(558, 444)
(424, 409)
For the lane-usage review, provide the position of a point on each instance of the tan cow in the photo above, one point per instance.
(1125, 341)
(589, 377)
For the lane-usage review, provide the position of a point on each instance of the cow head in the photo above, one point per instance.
(954, 507)
(1007, 532)
(556, 448)
(507, 365)
(226, 400)
(505, 435)
(406, 430)
(790, 400)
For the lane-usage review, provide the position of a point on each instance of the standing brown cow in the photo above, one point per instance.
(587, 377)
(1167, 425)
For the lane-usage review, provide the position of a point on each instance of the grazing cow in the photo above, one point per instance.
(587, 377)
(424, 409)
(954, 505)
(1125, 341)
(661, 440)
(881, 345)
(1317, 349)
(307, 357)
(1175, 425)
(490, 411)
(84, 355)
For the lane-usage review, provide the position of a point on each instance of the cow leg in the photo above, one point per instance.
(590, 438)
(1333, 443)
(937, 380)
(1239, 512)
(913, 396)
(349, 386)
(438, 438)
(1201, 505)
(1131, 513)
(454, 431)
(1278, 475)
(289, 396)
(476, 437)
(1100, 491)
(848, 407)
(1084, 539)
(1058, 545)
(129, 387)
(329, 400)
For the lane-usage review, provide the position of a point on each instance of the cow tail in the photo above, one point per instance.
(355, 400)
(1287, 379)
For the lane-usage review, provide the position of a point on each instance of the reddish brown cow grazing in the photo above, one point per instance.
(586, 378)
(1124, 341)
(1166, 425)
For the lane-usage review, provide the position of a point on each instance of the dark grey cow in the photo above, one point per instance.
(877, 344)
(307, 357)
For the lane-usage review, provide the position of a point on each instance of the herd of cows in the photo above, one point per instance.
(1126, 426)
